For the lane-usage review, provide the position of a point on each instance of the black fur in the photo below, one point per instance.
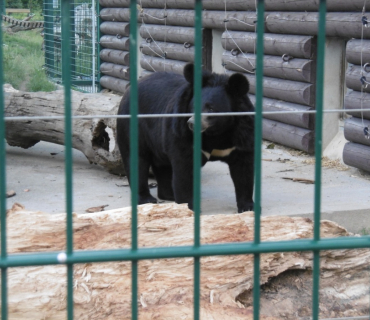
(166, 144)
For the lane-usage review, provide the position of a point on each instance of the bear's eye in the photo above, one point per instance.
(209, 108)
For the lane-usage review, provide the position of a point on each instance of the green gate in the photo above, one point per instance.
(135, 254)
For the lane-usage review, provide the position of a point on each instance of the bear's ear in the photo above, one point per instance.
(237, 85)
(189, 73)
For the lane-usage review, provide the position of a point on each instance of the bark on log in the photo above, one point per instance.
(288, 135)
(295, 69)
(357, 155)
(286, 90)
(168, 33)
(115, 56)
(354, 130)
(357, 100)
(355, 48)
(345, 25)
(114, 42)
(354, 76)
(95, 138)
(158, 64)
(102, 290)
(115, 70)
(173, 51)
(274, 44)
(270, 5)
(302, 120)
(238, 20)
(115, 84)
(115, 28)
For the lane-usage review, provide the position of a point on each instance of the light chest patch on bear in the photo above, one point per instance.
(219, 153)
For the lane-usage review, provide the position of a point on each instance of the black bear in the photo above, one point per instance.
(166, 144)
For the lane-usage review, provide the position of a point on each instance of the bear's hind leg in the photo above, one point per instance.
(163, 175)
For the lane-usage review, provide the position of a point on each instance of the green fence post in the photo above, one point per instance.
(66, 79)
(134, 153)
(197, 150)
(4, 273)
(318, 152)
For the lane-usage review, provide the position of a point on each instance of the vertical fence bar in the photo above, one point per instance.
(134, 153)
(4, 272)
(197, 150)
(258, 154)
(318, 152)
(49, 38)
(66, 78)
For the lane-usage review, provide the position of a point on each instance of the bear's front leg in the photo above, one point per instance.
(241, 165)
(182, 180)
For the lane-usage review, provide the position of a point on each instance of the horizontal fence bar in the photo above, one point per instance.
(219, 114)
(51, 258)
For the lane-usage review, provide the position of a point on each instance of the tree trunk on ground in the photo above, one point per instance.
(103, 290)
(95, 138)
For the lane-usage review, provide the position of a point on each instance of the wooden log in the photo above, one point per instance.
(114, 42)
(158, 64)
(355, 48)
(302, 120)
(354, 76)
(357, 100)
(115, 28)
(172, 51)
(167, 33)
(270, 5)
(357, 155)
(295, 69)
(338, 24)
(115, 56)
(145, 73)
(165, 286)
(95, 138)
(286, 90)
(115, 84)
(288, 135)
(244, 21)
(115, 70)
(354, 130)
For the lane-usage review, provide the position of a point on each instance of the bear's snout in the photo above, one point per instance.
(204, 124)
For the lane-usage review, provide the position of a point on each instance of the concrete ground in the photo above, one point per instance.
(37, 177)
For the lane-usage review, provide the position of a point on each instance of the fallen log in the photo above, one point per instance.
(165, 286)
(302, 70)
(357, 100)
(288, 135)
(354, 130)
(357, 155)
(95, 138)
(302, 120)
(355, 80)
(355, 49)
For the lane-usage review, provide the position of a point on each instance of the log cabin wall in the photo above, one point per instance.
(289, 57)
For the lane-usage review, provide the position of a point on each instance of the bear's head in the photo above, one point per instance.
(220, 94)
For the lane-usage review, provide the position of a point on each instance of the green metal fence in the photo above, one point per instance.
(84, 59)
(135, 254)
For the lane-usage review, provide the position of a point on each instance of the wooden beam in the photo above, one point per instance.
(10, 10)
(114, 42)
(358, 51)
(115, 84)
(302, 70)
(115, 28)
(354, 130)
(115, 70)
(174, 51)
(353, 78)
(169, 33)
(274, 44)
(357, 155)
(158, 64)
(115, 56)
(357, 100)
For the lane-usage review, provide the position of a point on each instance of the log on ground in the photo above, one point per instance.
(354, 130)
(357, 100)
(288, 135)
(165, 286)
(273, 66)
(358, 51)
(95, 138)
(302, 120)
(357, 155)
(274, 44)
(338, 24)
(355, 80)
